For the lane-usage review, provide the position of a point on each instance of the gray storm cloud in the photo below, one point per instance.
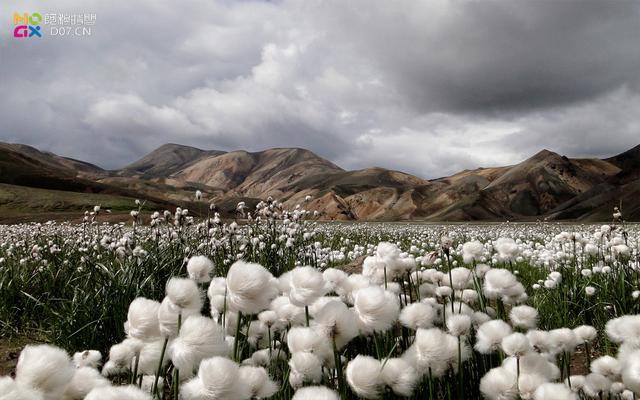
(428, 87)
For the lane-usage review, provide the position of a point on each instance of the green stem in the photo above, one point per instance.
(338, 363)
(159, 371)
(237, 338)
(306, 314)
(135, 369)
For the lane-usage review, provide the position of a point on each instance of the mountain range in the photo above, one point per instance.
(546, 186)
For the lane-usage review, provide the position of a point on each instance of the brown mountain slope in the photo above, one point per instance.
(369, 194)
(255, 174)
(620, 189)
(28, 167)
(541, 183)
(629, 164)
(597, 203)
(546, 185)
(165, 160)
(50, 160)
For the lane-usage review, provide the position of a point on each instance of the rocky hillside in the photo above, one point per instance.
(544, 186)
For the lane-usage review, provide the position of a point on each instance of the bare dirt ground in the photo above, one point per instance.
(9, 352)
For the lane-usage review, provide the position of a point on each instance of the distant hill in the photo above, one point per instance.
(165, 160)
(545, 186)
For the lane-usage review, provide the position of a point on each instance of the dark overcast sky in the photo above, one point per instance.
(425, 86)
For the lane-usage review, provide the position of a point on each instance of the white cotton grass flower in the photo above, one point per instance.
(554, 391)
(478, 318)
(268, 317)
(199, 338)
(387, 264)
(499, 384)
(377, 309)
(458, 308)
(500, 282)
(284, 283)
(199, 269)
(377, 270)
(435, 351)
(307, 285)
(169, 314)
(121, 356)
(45, 368)
(481, 269)
(563, 339)
(516, 345)
(596, 385)
(84, 380)
(315, 393)
(148, 381)
(320, 303)
(585, 334)
(524, 317)
(527, 385)
(532, 363)
(607, 366)
(616, 388)
(540, 340)
(443, 291)
(349, 286)
(256, 334)
(184, 294)
(418, 315)
(217, 296)
(432, 275)
(150, 355)
(364, 377)
(217, 286)
(256, 383)
(336, 322)
(395, 288)
(87, 358)
(288, 313)
(625, 329)
(265, 357)
(490, 334)
(334, 277)
(631, 371)
(507, 249)
(400, 376)
(469, 296)
(306, 368)
(6, 384)
(577, 382)
(12, 391)
(142, 319)
(250, 287)
(217, 379)
(217, 305)
(472, 251)
(461, 278)
(117, 393)
(303, 339)
(459, 324)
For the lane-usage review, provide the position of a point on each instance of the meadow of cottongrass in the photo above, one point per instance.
(282, 307)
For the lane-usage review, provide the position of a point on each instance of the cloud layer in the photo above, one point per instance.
(428, 87)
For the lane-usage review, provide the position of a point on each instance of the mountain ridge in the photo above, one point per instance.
(546, 185)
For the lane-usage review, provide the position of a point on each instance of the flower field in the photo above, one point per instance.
(280, 306)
